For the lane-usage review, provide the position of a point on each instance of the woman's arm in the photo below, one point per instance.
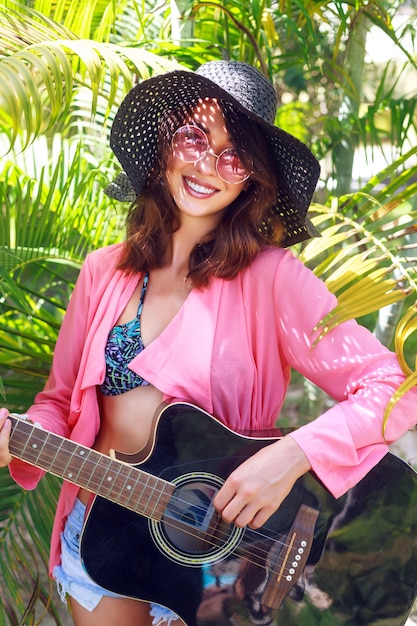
(354, 369)
(52, 405)
(347, 441)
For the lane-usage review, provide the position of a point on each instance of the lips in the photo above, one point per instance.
(197, 189)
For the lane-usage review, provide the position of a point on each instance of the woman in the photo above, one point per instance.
(204, 303)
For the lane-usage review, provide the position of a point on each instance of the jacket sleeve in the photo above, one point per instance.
(51, 408)
(353, 368)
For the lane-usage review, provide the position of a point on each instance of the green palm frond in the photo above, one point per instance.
(25, 590)
(43, 66)
(55, 206)
(54, 213)
(41, 78)
(368, 250)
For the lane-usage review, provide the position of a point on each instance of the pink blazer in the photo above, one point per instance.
(230, 350)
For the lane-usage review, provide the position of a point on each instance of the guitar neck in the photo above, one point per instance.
(110, 478)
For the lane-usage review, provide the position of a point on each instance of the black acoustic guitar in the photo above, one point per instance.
(152, 533)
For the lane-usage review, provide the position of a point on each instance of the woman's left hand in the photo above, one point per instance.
(5, 428)
(256, 488)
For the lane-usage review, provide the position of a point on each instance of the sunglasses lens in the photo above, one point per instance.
(189, 143)
(231, 168)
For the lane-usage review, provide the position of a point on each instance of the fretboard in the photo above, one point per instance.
(110, 478)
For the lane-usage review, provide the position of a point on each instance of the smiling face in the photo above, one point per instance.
(196, 187)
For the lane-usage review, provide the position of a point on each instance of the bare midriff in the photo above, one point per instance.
(127, 422)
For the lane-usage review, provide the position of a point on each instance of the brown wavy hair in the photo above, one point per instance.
(247, 225)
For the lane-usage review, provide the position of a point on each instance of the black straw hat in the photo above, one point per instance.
(134, 134)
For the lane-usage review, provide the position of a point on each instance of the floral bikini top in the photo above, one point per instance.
(123, 344)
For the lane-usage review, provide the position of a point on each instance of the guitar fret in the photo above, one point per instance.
(130, 490)
(150, 489)
(80, 451)
(154, 497)
(34, 448)
(122, 484)
(89, 469)
(43, 448)
(142, 495)
(92, 471)
(150, 504)
(157, 504)
(111, 476)
(125, 486)
(25, 446)
(100, 485)
(53, 461)
(48, 462)
(69, 475)
(135, 489)
(114, 480)
(63, 460)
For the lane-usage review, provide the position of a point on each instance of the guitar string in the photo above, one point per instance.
(134, 469)
(260, 553)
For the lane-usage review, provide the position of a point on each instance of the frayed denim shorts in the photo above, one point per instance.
(71, 578)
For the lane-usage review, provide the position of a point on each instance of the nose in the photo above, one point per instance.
(207, 163)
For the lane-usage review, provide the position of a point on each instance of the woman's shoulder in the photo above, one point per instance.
(279, 266)
(269, 260)
(105, 258)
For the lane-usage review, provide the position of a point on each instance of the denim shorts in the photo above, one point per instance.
(71, 578)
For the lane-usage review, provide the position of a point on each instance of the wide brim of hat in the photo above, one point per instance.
(134, 141)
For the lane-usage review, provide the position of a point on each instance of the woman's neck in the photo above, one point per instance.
(184, 240)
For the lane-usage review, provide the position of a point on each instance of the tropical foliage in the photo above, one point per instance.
(65, 65)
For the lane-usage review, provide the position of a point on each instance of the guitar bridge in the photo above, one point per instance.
(286, 563)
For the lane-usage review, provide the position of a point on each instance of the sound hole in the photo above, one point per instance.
(191, 531)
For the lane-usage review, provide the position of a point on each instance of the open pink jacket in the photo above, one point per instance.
(229, 350)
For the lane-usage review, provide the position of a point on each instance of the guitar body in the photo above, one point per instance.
(361, 568)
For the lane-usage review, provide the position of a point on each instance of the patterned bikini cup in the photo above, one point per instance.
(123, 344)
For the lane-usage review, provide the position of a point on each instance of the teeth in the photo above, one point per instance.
(198, 188)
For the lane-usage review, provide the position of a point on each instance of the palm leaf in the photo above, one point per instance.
(367, 252)
(25, 589)
(44, 65)
(58, 206)
(50, 220)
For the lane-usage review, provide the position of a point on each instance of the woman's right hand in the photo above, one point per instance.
(5, 427)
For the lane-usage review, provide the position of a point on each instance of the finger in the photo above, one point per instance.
(254, 515)
(231, 506)
(5, 428)
(5, 424)
(223, 497)
(3, 414)
(259, 519)
(235, 513)
(244, 518)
